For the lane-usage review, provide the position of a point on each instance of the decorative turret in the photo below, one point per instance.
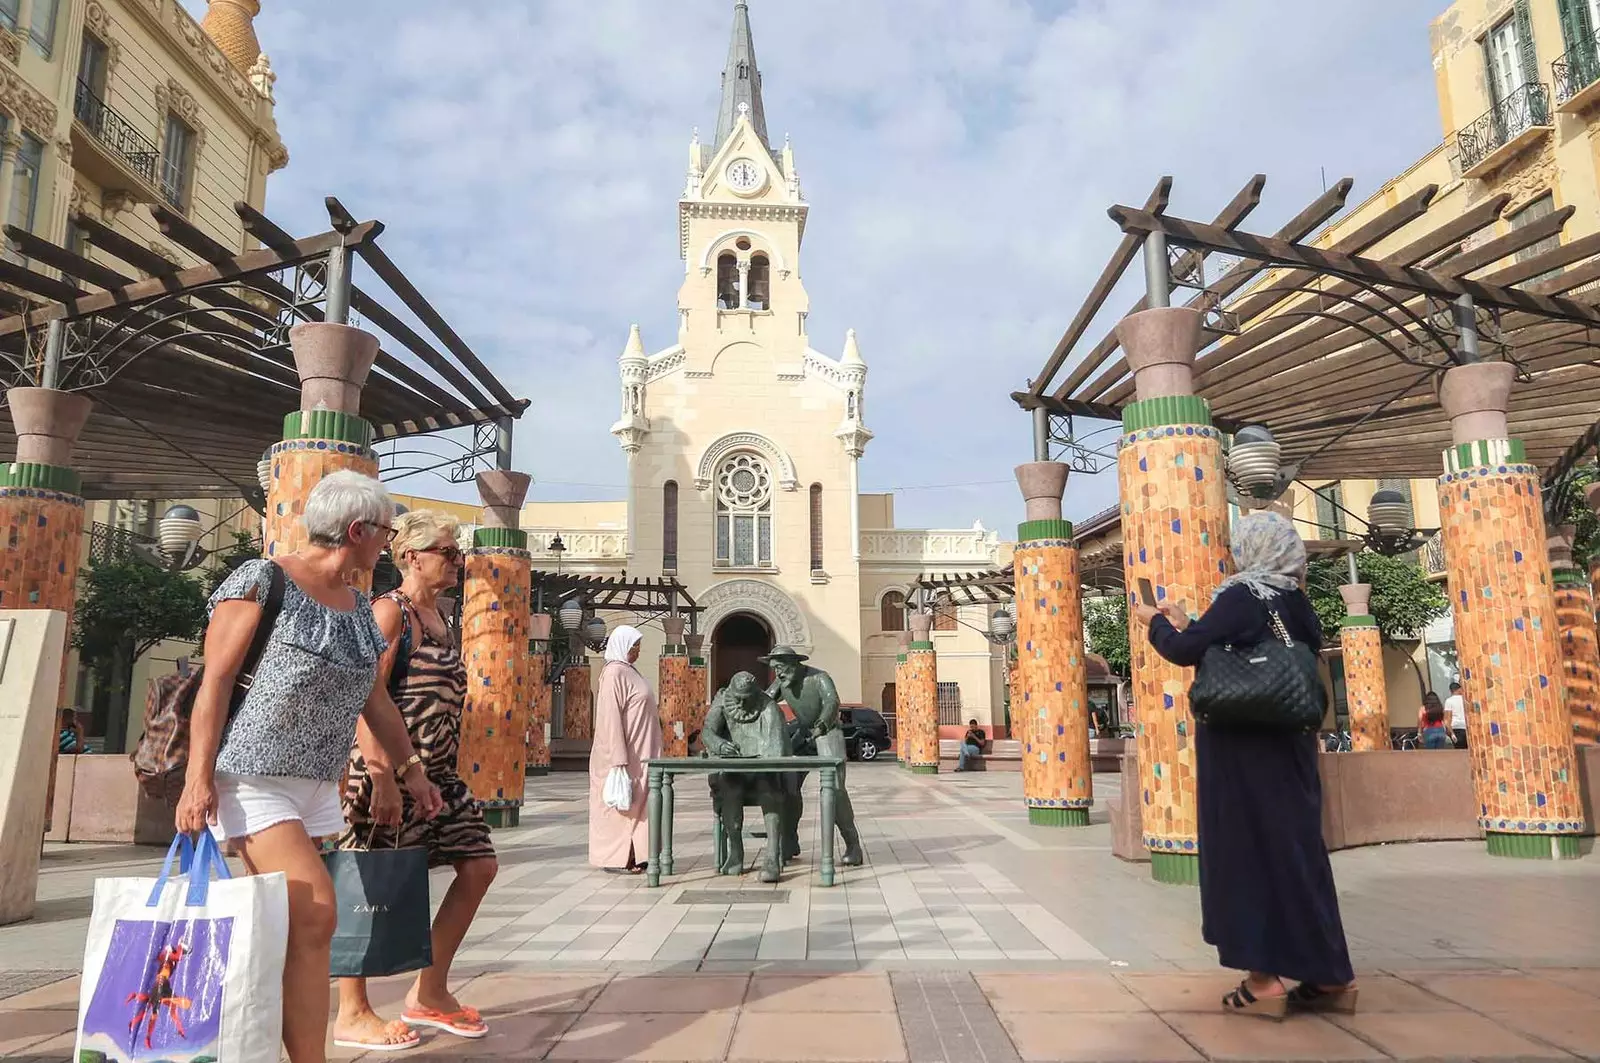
(632, 366)
(231, 24)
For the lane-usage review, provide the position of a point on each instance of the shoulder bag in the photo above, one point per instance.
(1271, 686)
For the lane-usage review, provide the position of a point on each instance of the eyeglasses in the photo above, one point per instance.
(388, 530)
(449, 552)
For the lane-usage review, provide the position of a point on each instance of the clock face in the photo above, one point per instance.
(743, 175)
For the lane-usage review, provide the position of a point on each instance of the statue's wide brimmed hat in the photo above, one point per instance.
(784, 653)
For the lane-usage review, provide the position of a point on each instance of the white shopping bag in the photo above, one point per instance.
(183, 968)
(618, 793)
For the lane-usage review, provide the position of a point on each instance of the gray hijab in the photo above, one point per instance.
(1268, 555)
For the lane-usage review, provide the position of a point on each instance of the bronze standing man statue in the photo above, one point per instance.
(810, 694)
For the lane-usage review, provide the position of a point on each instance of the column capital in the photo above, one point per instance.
(1560, 543)
(48, 422)
(1159, 345)
(1357, 605)
(921, 627)
(332, 361)
(1475, 397)
(673, 627)
(503, 492)
(1042, 483)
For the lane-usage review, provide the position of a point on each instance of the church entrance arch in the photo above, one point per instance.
(737, 645)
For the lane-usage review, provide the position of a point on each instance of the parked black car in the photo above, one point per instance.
(866, 732)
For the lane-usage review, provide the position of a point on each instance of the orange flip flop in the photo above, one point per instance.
(464, 1023)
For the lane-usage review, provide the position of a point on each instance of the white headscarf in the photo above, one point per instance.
(622, 642)
(1268, 555)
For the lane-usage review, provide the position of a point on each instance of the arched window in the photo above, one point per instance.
(892, 612)
(760, 293)
(944, 613)
(727, 281)
(744, 512)
(816, 527)
(744, 71)
(669, 526)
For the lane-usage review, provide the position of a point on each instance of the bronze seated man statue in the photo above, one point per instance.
(745, 722)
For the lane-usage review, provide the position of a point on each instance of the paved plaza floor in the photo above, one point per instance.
(969, 936)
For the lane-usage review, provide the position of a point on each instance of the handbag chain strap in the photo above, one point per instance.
(1276, 620)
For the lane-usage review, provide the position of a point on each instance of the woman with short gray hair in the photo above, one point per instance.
(264, 769)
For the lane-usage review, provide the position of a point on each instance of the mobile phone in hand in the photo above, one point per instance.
(1147, 593)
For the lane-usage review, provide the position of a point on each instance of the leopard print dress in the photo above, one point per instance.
(430, 698)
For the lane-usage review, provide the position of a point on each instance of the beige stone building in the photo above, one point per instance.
(744, 443)
(110, 108)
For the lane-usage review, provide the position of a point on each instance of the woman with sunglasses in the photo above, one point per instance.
(424, 674)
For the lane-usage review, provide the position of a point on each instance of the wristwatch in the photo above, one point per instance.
(412, 761)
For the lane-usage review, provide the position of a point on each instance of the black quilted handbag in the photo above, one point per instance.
(1271, 686)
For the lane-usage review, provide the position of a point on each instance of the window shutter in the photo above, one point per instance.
(816, 527)
(1576, 32)
(1530, 55)
(669, 525)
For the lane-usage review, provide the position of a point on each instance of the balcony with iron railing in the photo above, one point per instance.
(107, 542)
(1432, 557)
(122, 151)
(1507, 129)
(1576, 76)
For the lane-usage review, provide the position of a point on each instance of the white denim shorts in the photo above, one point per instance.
(249, 804)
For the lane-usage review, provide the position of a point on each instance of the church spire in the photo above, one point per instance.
(741, 81)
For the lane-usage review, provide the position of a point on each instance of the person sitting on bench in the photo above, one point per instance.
(971, 745)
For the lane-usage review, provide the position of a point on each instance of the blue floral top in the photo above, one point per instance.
(299, 716)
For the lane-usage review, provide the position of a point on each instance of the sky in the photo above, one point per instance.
(958, 156)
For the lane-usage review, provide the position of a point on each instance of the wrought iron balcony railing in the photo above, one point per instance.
(1525, 109)
(1577, 70)
(1432, 556)
(107, 542)
(116, 133)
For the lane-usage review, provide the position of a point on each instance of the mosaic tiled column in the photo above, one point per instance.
(1507, 632)
(495, 624)
(538, 741)
(921, 698)
(1580, 654)
(1365, 689)
(698, 679)
(1175, 534)
(326, 434)
(902, 648)
(1052, 717)
(577, 712)
(41, 516)
(675, 695)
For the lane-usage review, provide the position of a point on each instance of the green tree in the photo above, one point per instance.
(244, 549)
(1403, 602)
(126, 606)
(1571, 508)
(1105, 628)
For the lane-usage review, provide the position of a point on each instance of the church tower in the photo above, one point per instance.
(743, 441)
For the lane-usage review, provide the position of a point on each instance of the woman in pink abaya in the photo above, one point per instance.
(627, 732)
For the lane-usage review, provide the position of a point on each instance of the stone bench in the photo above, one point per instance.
(1001, 754)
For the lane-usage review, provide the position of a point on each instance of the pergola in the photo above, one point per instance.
(1340, 353)
(190, 370)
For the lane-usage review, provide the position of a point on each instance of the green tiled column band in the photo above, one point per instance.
(1175, 869)
(1533, 846)
(697, 662)
(1032, 531)
(924, 769)
(1359, 621)
(1485, 452)
(926, 647)
(675, 651)
(1169, 409)
(327, 424)
(508, 538)
(1058, 817)
(1569, 577)
(900, 658)
(45, 477)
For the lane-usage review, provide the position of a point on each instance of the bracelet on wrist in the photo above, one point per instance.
(415, 760)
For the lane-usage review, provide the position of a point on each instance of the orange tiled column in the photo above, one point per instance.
(699, 705)
(538, 759)
(494, 646)
(902, 648)
(1580, 654)
(921, 698)
(1052, 717)
(674, 696)
(1175, 534)
(326, 434)
(1365, 689)
(41, 516)
(577, 713)
(1507, 630)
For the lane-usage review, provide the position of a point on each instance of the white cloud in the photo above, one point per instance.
(959, 158)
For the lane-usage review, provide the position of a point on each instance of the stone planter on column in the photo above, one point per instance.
(1580, 655)
(41, 517)
(698, 681)
(675, 695)
(1175, 534)
(326, 434)
(1050, 711)
(538, 758)
(577, 702)
(1507, 630)
(1365, 689)
(495, 627)
(921, 698)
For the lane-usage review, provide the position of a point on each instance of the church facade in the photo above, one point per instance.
(744, 444)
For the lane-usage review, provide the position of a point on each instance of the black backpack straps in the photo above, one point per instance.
(264, 625)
